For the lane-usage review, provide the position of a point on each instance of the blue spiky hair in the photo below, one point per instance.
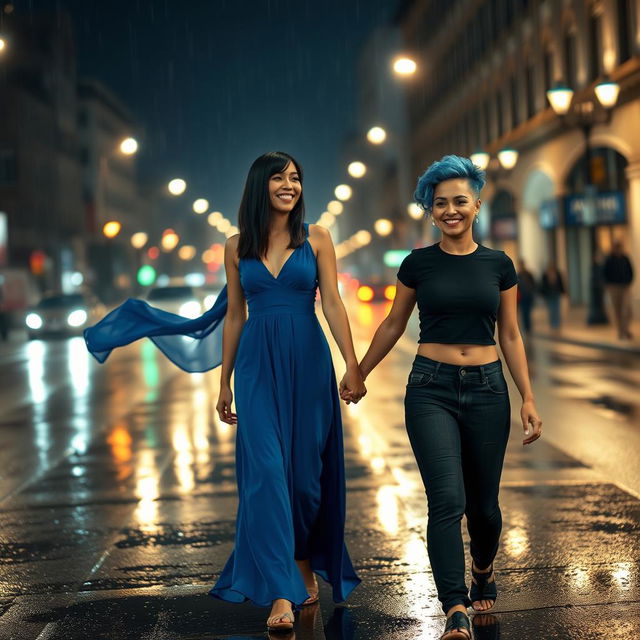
(444, 169)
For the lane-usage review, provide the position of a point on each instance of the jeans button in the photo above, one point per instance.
(463, 372)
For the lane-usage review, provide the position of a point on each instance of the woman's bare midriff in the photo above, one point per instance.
(459, 354)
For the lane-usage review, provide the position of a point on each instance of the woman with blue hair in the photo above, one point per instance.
(457, 402)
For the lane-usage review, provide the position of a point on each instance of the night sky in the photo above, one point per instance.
(215, 83)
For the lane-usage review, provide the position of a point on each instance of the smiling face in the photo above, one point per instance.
(454, 207)
(285, 189)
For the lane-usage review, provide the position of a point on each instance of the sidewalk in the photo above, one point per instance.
(575, 330)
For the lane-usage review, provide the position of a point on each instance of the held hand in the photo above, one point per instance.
(352, 387)
(531, 422)
(224, 406)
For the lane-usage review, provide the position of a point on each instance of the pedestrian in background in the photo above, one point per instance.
(552, 289)
(289, 449)
(457, 407)
(526, 295)
(618, 276)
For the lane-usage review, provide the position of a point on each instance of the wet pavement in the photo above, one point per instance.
(118, 503)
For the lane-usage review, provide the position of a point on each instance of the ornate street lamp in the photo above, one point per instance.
(585, 116)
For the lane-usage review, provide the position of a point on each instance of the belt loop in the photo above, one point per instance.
(484, 375)
(435, 373)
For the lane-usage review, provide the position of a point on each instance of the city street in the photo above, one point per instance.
(118, 502)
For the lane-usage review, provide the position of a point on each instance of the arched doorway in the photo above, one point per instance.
(595, 213)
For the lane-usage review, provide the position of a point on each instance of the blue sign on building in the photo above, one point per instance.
(607, 207)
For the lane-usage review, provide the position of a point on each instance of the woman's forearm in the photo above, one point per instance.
(385, 337)
(230, 339)
(516, 358)
(338, 321)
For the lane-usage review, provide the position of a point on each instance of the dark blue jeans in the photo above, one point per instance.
(458, 420)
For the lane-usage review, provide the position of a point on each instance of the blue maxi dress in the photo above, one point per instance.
(289, 450)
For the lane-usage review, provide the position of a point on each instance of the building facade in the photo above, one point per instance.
(484, 69)
(40, 168)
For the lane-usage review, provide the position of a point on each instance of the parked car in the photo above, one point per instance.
(63, 314)
(182, 300)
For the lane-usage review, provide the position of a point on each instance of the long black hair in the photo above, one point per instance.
(255, 209)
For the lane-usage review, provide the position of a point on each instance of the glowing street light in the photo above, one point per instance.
(363, 237)
(187, 252)
(231, 231)
(480, 158)
(415, 211)
(376, 135)
(111, 229)
(214, 218)
(343, 192)
(177, 186)
(508, 158)
(326, 219)
(138, 240)
(129, 146)
(224, 225)
(404, 66)
(170, 240)
(607, 92)
(200, 205)
(3, 44)
(560, 98)
(383, 227)
(357, 169)
(336, 207)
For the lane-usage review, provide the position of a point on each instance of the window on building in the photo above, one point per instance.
(547, 64)
(595, 46)
(626, 28)
(515, 107)
(8, 167)
(499, 114)
(569, 42)
(530, 72)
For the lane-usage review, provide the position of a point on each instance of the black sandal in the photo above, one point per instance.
(482, 589)
(458, 627)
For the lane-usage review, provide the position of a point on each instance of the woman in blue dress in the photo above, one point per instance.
(289, 451)
(290, 469)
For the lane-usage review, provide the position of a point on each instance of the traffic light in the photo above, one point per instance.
(36, 262)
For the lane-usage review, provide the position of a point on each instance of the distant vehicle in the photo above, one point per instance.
(376, 292)
(63, 314)
(182, 300)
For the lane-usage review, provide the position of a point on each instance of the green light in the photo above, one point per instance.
(395, 257)
(146, 275)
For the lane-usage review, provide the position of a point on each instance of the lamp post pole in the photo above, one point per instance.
(560, 98)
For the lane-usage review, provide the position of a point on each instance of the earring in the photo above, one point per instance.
(476, 219)
(432, 222)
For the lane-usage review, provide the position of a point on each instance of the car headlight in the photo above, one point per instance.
(190, 309)
(33, 321)
(77, 318)
(210, 300)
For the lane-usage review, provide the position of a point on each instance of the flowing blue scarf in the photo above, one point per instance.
(194, 345)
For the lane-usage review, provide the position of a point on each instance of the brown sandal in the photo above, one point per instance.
(274, 625)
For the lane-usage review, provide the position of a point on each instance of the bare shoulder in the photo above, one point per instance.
(231, 248)
(319, 234)
(232, 242)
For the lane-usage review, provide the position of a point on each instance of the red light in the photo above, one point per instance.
(153, 252)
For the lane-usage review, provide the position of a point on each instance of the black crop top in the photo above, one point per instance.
(458, 296)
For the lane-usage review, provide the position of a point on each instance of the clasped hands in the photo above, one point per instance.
(352, 387)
